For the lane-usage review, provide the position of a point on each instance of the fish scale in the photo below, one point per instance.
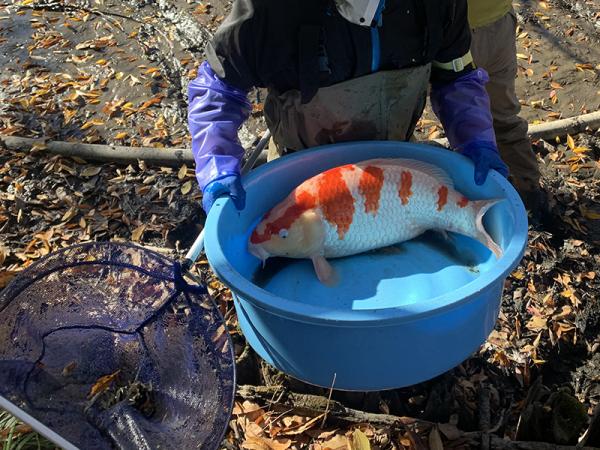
(360, 207)
(394, 222)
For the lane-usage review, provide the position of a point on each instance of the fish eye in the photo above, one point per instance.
(283, 233)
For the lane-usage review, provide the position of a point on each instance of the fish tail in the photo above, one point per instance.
(481, 207)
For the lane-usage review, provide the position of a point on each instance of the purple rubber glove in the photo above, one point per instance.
(216, 112)
(485, 157)
(463, 107)
(228, 185)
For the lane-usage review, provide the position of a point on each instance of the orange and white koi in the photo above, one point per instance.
(359, 207)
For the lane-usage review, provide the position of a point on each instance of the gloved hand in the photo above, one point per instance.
(227, 185)
(485, 156)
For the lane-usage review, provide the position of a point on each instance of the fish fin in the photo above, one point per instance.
(325, 272)
(481, 207)
(432, 170)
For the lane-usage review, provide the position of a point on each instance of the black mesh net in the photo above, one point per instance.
(108, 346)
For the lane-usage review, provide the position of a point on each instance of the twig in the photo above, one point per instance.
(277, 417)
(174, 157)
(484, 416)
(592, 434)
(562, 127)
(177, 156)
(315, 405)
(484, 409)
(499, 423)
(328, 400)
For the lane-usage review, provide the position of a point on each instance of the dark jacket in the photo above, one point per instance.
(304, 44)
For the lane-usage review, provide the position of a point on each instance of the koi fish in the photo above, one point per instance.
(359, 207)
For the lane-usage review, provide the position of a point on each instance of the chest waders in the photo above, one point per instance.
(385, 105)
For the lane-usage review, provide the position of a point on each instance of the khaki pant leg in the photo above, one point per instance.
(494, 49)
(273, 151)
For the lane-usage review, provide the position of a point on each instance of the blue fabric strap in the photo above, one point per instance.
(376, 51)
(375, 43)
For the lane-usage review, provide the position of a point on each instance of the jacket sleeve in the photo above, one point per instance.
(216, 111)
(455, 39)
(236, 50)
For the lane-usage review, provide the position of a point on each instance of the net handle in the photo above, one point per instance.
(198, 245)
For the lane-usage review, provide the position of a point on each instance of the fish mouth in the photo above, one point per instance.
(259, 252)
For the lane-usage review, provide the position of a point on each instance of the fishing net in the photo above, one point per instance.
(108, 346)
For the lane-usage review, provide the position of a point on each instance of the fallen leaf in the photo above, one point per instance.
(580, 150)
(302, 427)
(5, 277)
(121, 135)
(567, 293)
(338, 442)
(182, 172)
(134, 80)
(201, 9)
(91, 171)
(251, 411)
(435, 440)
(536, 323)
(570, 142)
(260, 443)
(536, 103)
(3, 254)
(518, 275)
(71, 212)
(103, 383)
(582, 67)
(106, 41)
(359, 441)
(91, 123)
(153, 101)
(187, 187)
(69, 368)
(136, 234)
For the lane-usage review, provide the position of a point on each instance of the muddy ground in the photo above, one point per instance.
(116, 72)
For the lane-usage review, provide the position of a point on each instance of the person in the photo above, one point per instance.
(335, 71)
(493, 46)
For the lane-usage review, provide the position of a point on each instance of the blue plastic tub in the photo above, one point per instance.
(400, 315)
